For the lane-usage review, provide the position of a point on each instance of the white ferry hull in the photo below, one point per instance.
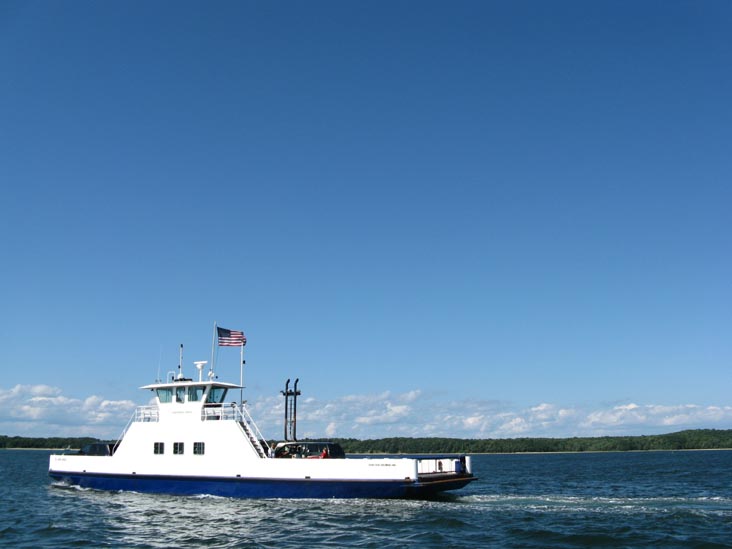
(230, 475)
(264, 487)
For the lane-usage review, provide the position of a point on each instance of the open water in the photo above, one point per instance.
(662, 499)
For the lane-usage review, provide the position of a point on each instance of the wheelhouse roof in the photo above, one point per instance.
(191, 383)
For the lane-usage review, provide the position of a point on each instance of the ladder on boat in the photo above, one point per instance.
(253, 439)
(253, 434)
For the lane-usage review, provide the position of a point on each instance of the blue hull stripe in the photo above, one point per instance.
(260, 488)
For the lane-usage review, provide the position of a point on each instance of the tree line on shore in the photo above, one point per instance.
(693, 439)
(48, 443)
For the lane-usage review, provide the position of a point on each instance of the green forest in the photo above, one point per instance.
(695, 439)
(45, 443)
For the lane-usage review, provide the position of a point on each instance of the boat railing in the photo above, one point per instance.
(440, 465)
(235, 412)
(141, 413)
(122, 434)
(219, 412)
(254, 432)
(147, 414)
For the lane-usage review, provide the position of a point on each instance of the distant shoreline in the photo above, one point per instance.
(606, 451)
(454, 453)
(544, 453)
(691, 439)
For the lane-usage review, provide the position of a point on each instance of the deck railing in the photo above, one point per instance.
(141, 413)
(253, 431)
(220, 412)
(234, 412)
(441, 464)
(146, 413)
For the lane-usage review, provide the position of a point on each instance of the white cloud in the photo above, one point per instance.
(42, 410)
(514, 427)
(27, 391)
(390, 413)
(411, 396)
(473, 422)
(632, 416)
(416, 414)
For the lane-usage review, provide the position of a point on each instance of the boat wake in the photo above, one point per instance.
(703, 506)
(63, 485)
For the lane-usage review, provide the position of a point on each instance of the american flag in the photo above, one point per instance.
(231, 338)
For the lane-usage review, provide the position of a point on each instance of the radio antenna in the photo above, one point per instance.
(180, 362)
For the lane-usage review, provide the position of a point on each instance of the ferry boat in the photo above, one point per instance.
(192, 441)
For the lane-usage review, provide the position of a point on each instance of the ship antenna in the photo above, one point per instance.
(180, 362)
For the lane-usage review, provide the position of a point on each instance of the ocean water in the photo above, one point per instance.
(661, 499)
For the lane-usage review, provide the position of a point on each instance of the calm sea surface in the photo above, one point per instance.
(663, 499)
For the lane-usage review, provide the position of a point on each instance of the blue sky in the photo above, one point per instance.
(472, 219)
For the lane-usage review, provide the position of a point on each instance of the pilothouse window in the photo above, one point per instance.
(165, 395)
(195, 394)
(180, 394)
(217, 395)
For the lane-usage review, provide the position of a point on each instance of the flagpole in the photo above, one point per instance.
(241, 375)
(213, 346)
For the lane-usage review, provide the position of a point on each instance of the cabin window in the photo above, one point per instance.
(165, 395)
(199, 448)
(159, 448)
(195, 394)
(177, 447)
(217, 395)
(180, 394)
